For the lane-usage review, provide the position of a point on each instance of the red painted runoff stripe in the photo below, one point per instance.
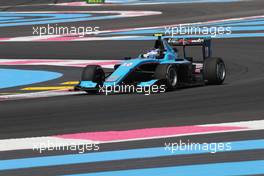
(29, 61)
(69, 63)
(129, 135)
(67, 38)
(147, 133)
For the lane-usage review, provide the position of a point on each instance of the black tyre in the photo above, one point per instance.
(214, 71)
(93, 73)
(168, 74)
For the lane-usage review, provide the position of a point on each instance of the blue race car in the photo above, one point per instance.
(161, 66)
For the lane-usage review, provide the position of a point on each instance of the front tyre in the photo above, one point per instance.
(214, 71)
(94, 73)
(168, 74)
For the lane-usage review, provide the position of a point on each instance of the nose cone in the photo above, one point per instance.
(121, 72)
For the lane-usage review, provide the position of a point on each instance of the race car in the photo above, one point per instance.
(161, 66)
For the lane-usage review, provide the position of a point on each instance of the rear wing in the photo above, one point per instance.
(205, 43)
(189, 41)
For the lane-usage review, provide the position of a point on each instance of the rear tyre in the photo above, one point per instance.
(214, 71)
(93, 73)
(167, 73)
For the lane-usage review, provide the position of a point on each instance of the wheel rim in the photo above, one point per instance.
(172, 77)
(221, 71)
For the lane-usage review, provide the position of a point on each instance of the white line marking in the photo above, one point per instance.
(37, 142)
(133, 3)
(41, 94)
(37, 38)
(256, 125)
(29, 143)
(57, 62)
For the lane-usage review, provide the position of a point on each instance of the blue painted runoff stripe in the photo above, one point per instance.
(243, 23)
(237, 25)
(234, 22)
(7, 19)
(216, 169)
(119, 155)
(14, 77)
(162, 30)
(51, 18)
(235, 35)
(45, 18)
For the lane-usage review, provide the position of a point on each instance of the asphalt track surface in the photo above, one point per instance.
(241, 98)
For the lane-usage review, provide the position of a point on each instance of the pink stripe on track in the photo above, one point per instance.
(95, 63)
(5, 39)
(60, 38)
(25, 62)
(146, 133)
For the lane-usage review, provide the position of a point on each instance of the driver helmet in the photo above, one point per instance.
(153, 53)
